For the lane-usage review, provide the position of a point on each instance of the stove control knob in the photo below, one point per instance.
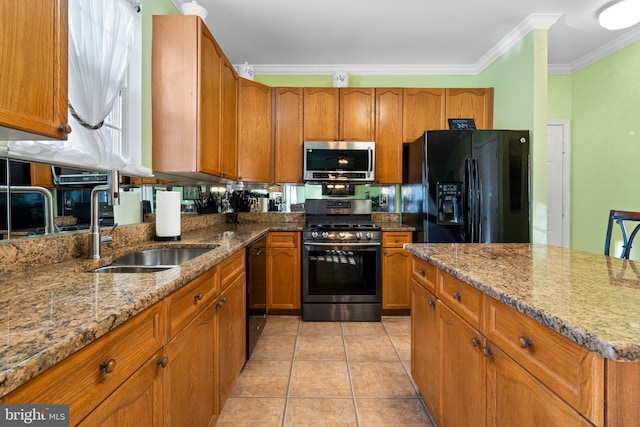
(325, 235)
(314, 234)
(369, 236)
(358, 235)
(341, 234)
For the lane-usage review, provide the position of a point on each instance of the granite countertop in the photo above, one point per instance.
(591, 299)
(49, 312)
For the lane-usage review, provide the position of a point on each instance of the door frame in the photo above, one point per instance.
(566, 178)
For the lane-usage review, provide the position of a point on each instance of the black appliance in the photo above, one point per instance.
(341, 262)
(256, 292)
(467, 186)
(343, 161)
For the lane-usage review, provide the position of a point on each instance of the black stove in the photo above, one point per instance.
(331, 220)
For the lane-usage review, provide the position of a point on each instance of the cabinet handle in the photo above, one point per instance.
(221, 302)
(162, 362)
(457, 295)
(475, 341)
(109, 366)
(525, 342)
(487, 352)
(432, 303)
(396, 240)
(422, 273)
(65, 128)
(197, 297)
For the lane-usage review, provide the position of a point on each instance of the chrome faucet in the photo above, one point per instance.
(113, 191)
(49, 226)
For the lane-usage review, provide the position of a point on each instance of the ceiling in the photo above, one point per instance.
(405, 36)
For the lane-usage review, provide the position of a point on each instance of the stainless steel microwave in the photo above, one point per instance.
(326, 161)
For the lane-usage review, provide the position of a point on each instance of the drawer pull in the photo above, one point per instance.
(432, 303)
(109, 366)
(487, 352)
(221, 302)
(422, 273)
(396, 240)
(525, 342)
(162, 362)
(475, 341)
(457, 295)
(197, 297)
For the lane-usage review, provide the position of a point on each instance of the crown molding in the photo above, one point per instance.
(613, 46)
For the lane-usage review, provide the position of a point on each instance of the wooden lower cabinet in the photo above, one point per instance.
(516, 398)
(139, 402)
(425, 352)
(396, 270)
(283, 271)
(461, 370)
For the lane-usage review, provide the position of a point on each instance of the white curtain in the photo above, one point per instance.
(100, 39)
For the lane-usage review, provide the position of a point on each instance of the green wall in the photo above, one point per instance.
(605, 144)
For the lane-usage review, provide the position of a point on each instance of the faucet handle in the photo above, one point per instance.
(108, 239)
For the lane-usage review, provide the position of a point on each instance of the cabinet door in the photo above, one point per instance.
(209, 114)
(388, 136)
(254, 132)
(229, 124)
(423, 109)
(462, 370)
(396, 270)
(288, 135)
(139, 402)
(33, 66)
(283, 278)
(231, 336)
(474, 104)
(357, 114)
(425, 345)
(191, 382)
(514, 397)
(321, 111)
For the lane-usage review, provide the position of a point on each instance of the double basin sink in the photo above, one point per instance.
(152, 260)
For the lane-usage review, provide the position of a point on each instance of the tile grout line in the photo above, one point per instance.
(293, 357)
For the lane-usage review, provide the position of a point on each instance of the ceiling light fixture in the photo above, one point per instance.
(619, 15)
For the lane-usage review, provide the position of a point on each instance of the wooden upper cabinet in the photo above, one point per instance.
(388, 136)
(186, 83)
(357, 114)
(33, 66)
(254, 132)
(288, 135)
(423, 109)
(321, 114)
(339, 114)
(474, 104)
(229, 123)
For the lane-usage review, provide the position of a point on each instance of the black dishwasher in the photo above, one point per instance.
(256, 291)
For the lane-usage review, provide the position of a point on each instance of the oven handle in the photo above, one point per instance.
(336, 244)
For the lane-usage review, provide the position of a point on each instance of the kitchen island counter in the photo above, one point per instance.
(49, 312)
(591, 299)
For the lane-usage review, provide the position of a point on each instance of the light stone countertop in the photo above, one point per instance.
(49, 312)
(591, 299)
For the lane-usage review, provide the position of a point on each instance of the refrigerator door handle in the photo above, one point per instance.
(470, 201)
(478, 200)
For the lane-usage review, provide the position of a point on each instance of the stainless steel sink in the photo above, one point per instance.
(152, 260)
(132, 268)
(160, 257)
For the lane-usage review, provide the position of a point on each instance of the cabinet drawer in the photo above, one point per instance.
(186, 303)
(462, 298)
(571, 371)
(230, 268)
(392, 239)
(425, 274)
(283, 240)
(82, 380)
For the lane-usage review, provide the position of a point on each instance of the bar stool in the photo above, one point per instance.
(622, 218)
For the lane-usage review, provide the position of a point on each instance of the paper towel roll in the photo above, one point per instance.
(129, 211)
(167, 215)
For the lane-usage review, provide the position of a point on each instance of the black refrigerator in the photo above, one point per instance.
(467, 186)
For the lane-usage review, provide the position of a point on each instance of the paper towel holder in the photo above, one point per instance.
(170, 237)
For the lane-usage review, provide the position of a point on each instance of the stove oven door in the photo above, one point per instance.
(341, 272)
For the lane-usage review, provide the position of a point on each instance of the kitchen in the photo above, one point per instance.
(585, 221)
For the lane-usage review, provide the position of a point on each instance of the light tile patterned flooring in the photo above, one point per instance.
(328, 374)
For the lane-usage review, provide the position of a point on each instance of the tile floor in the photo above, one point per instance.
(328, 374)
